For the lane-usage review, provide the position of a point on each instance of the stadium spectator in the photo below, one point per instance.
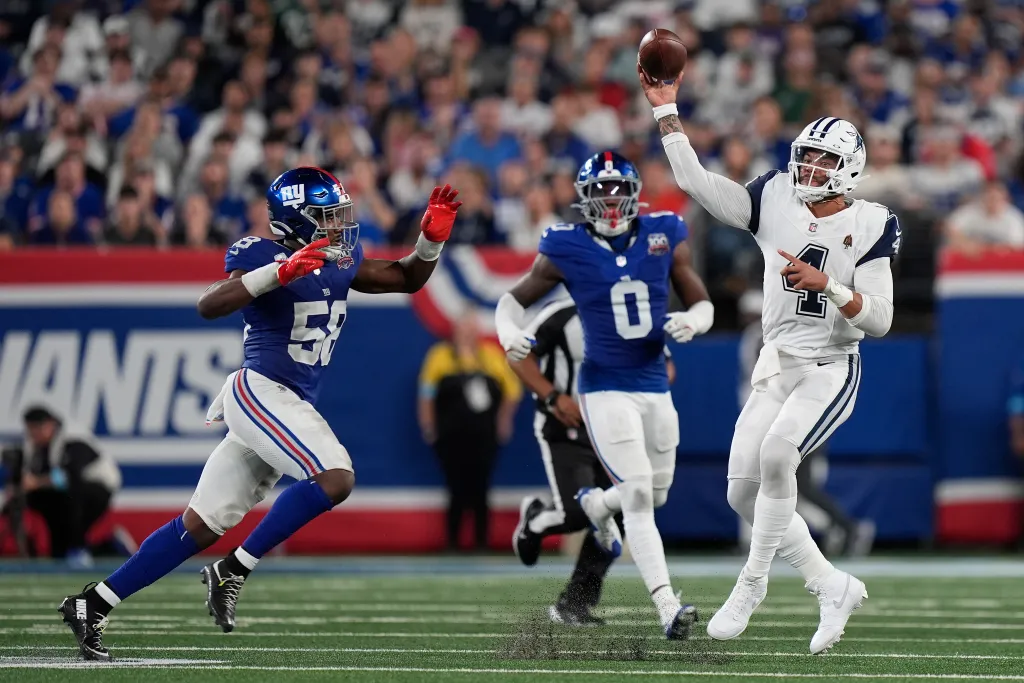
(120, 90)
(563, 144)
(72, 135)
(988, 222)
(510, 212)
(540, 215)
(228, 222)
(765, 134)
(15, 196)
(276, 158)
(946, 177)
(886, 180)
(410, 185)
(374, 212)
(151, 24)
(61, 225)
(659, 190)
(130, 225)
(88, 199)
(467, 400)
(63, 476)
(76, 33)
(522, 113)
(194, 224)
(487, 146)
(30, 104)
(475, 221)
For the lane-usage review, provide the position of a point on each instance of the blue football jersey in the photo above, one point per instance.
(290, 332)
(622, 299)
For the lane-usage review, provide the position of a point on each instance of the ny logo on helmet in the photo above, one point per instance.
(293, 195)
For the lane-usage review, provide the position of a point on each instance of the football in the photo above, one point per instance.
(662, 54)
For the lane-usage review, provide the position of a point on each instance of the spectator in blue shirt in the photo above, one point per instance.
(487, 146)
(880, 102)
(31, 103)
(15, 195)
(564, 146)
(229, 220)
(88, 199)
(61, 225)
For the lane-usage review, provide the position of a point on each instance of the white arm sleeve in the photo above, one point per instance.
(726, 200)
(509, 318)
(873, 281)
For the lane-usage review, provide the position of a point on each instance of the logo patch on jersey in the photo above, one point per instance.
(813, 227)
(345, 261)
(848, 242)
(280, 258)
(657, 244)
(293, 195)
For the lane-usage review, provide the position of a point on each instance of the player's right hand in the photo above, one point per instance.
(303, 262)
(567, 411)
(658, 92)
(517, 346)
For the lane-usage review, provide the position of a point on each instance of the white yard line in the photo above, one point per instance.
(492, 651)
(57, 629)
(517, 672)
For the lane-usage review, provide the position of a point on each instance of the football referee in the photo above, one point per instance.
(569, 459)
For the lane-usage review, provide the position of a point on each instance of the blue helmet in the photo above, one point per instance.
(307, 204)
(609, 188)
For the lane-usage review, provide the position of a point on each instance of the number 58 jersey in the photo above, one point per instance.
(621, 298)
(290, 332)
(803, 323)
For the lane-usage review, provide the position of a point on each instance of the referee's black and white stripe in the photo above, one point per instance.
(559, 352)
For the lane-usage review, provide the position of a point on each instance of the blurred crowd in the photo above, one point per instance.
(161, 122)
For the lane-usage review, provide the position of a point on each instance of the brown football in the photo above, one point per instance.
(662, 54)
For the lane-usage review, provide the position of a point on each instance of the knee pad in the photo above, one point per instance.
(741, 495)
(779, 460)
(637, 495)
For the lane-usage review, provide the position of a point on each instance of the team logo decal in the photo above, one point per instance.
(293, 195)
(848, 242)
(345, 261)
(813, 227)
(657, 244)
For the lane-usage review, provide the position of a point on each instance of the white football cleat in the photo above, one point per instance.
(606, 531)
(732, 618)
(839, 594)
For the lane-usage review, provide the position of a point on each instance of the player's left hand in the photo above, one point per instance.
(436, 224)
(803, 275)
(680, 326)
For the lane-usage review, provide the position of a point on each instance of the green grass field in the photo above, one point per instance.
(492, 626)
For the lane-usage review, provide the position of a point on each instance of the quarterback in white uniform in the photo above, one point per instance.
(827, 283)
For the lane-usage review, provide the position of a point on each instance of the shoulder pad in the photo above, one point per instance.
(557, 238)
(889, 242)
(250, 253)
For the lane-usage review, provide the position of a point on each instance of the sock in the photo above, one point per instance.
(545, 520)
(667, 603)
(159, 554)
(293, 509)
(772, 517)
(800, 550)
(101, 598)
(240, 563)
(612, 500)
(649, 556)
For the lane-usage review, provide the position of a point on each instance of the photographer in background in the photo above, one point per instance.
(64, 478)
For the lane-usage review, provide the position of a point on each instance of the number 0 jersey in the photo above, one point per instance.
(290, 332)
(802, 323)
(621, 298)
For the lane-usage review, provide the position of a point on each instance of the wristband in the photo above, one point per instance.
(837, 293)
(550, 399)
(427, 250)
(261, 280)
(663, 110)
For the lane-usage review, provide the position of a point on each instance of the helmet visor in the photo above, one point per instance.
(813, 166)
(610, 199)
(336, 223)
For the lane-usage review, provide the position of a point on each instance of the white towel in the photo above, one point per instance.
(767, 366)
(216, 411)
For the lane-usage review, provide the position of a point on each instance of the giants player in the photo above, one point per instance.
(827, 283)
(292, 293)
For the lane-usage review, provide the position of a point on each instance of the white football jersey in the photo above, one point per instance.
(803, 323)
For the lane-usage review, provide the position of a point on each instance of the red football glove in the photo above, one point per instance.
(436, 224)
(303, 262)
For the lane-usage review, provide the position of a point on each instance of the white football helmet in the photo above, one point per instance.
(827, 159)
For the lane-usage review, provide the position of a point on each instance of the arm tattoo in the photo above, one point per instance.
(669, 124)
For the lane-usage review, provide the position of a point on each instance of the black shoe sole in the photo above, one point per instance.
(219, 620)
(87, 653)
(682, 625)
(522, 536)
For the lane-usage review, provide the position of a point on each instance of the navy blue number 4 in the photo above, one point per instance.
(810, 303)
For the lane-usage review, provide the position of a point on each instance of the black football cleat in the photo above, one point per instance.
(222, 590)
(680, 627)
(87, 623)
(573, 615)
(526, 543)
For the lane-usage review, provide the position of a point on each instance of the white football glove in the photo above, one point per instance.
(518, 345)
(681, 326)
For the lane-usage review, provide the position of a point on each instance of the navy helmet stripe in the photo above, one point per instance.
(829, 125)
(818, 123)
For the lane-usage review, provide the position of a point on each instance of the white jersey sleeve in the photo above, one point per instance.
(726, 200)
